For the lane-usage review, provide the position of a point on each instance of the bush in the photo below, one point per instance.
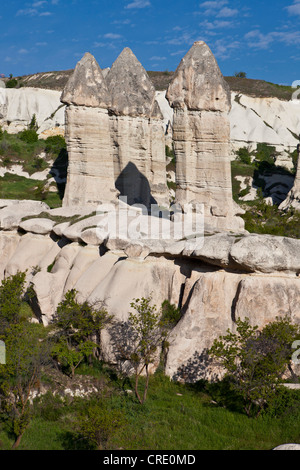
(265, 153)
(240, 74)
(98, 423)
(256, 361)
(29, 136)
(12, 83)
(244, 156)
(55, 144)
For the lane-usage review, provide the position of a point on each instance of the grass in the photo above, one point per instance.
(15, 151)
(174, 417)
(20, 187)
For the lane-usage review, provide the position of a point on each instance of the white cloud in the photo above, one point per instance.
(295, 8)
(112, 36)
(138, 4)
(257, 40)
(184, 38)
(212, 7)
(35, 9)
(27, 12)
(120, 22)
(224, 49)
(157, 58)
(217, 24)
(181, 52)
(227, 12)
(38, 4)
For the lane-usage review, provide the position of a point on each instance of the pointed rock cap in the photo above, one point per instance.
(87, 85)
(198, 82)
(131, 89)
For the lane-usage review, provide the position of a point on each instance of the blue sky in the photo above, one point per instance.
(261, 38)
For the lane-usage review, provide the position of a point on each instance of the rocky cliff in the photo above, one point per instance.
(214, 280)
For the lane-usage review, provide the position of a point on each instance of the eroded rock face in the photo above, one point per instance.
(137, 130)
(214, 281)
(114, 134)
(87, 86)
(198, 84)
(132, 92)
(90, 171)
(293, 197)
(201, 101)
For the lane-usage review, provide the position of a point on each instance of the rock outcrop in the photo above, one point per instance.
(201, 101)
(271, 121)
(114, 134)
(213, 281)
(293, 197)
(90, 177)
(137, 133)
(17, 107)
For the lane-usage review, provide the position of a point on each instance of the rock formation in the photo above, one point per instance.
(137, 133)
(214, 283)
(293, 197)
(90, 172)
(201, 101)
(17, 107)
(114, 134)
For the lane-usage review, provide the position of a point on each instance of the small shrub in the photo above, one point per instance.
(33, 126)
(244, 156)
(29, 136)
(55, 144)
(12, 83)
(240, 74)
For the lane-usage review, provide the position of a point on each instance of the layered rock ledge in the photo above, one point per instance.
(214, 279)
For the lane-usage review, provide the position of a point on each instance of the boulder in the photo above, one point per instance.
(12, 215)
(49, 286)
(267, 254)
(8, 245)
(40, 226)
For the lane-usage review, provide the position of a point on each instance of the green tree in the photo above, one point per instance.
(26, 351)
(244, 156)
(12, 83)
(240, 74)
(98, 423)
(33, 125)
(255, 361)
(11, 297)
(77, 331)
(149, 332)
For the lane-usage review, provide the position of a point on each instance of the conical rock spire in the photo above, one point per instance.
(132, 91)
(87, 85)
(198, 82)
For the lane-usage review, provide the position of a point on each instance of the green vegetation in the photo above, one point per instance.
(261, 217)
(175, 416)
(25, 149)
(77, 331)
(12, 83)
(240, 74)
(255, 361)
